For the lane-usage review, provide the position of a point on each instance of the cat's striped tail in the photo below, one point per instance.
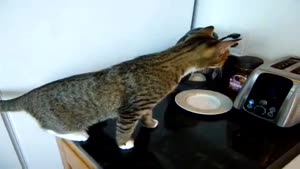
(10, 105)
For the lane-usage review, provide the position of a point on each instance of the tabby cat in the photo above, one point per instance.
(127, 91)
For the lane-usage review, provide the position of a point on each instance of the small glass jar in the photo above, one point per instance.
(244, 67)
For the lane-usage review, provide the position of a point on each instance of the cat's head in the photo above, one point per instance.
(212, 51)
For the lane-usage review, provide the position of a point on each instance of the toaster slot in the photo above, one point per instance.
(296, 71)
(286, 63)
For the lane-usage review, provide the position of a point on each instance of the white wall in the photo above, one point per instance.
(45, 40)
(270, 28)
(42, 41)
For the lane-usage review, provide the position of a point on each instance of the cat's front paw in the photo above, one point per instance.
(152, 125)
(128, 145)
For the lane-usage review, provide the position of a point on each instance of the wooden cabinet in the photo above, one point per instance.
(74, 157)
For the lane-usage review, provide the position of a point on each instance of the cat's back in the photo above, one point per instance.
(94, 89)
(74, 89)
(70, 83)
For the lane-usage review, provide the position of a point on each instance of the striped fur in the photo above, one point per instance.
(127, 91)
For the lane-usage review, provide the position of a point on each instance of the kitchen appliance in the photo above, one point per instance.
(272, 92)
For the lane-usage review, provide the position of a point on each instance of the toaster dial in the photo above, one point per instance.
(260, 110)
(267, 95)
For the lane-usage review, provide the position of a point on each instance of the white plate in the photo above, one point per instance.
(203, 101)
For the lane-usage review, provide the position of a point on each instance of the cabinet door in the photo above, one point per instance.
(74, 157)
(8, 156)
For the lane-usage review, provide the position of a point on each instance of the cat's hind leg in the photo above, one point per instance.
(75, 136)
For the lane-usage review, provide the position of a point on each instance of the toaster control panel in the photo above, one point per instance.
(267, 95)
(261, 109)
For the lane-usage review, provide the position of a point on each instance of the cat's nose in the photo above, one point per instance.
(210, 27)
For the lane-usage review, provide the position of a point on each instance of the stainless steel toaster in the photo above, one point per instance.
(272, 92)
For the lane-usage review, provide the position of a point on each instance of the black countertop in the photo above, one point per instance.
(183, 140)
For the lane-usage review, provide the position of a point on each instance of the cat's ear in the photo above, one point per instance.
(224, 46)
(208, 31)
